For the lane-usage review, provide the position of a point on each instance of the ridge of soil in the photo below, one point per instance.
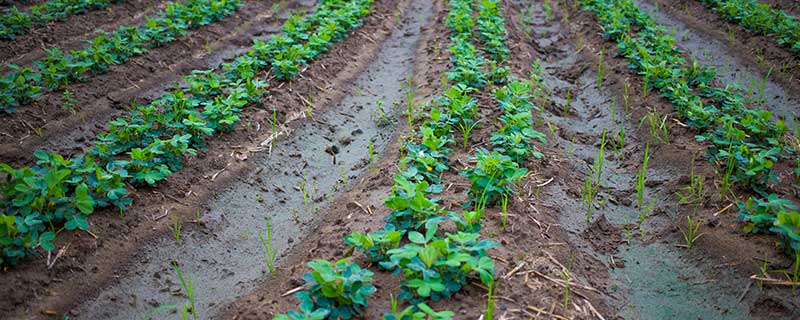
(533, 243)
(89, 263)
(724, 253)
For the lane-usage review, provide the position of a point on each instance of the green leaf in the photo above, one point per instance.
(83, 200)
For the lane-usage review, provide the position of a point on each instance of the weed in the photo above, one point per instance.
(488, 313)
(691, 234)
(659, 131)
(626, 96)
(640, 184)
(601, 68)
(410, 93)
(69, 102)
(175, 227)
(504, 206)
(693, 193)
(548, 12)
(565, 111)
(188, 286)
(466, 127)
(270, 253)
(567, 276)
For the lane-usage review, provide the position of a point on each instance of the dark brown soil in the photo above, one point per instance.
(91, 262)
(538, 242)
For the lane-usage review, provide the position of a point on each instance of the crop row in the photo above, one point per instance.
(435, 263)
(14, 21)
(59, 70)
(760, 18)
(745, 142)
(149, 144)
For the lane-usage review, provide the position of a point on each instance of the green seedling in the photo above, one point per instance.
(641, 177)
(691, 234)
(410, 93)
(466, 127)
(565, 110)
(548, 13)
(69, 102)
(488, 313)
(601, 68)
(504, 206)
(175, 227)
(621, 140)
(659, 131)
(270, 253)
(188, 286)
(693, 193)
(567, 276)
(626, 97)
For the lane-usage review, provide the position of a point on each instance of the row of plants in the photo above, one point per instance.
(435, 262)
(745, 142)
(58, 69)
(762, 19)
(149, 144)
(14, 22)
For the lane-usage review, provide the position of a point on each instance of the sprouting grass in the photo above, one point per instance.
(692, 193)
(345, 180)
(548, 13)
(601, 68)
(410, 93)
(591, 185)
(466, 127)
(659, 131)
(489, 311)
(692, 232)
(188, 286)
(303, 189)
(726, 183)
(175, 227)
(621, 140)
(567, 276)
(565, 110)
(626, 96)
(504, 206)
(69, 102)
(270, 254)
(641, 177)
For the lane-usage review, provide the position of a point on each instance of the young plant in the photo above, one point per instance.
(691, 234)
(567, 276)
(641, 177)
(188, 287)
(175, 227)
(693, 193)
(504, 206)
(270, 252)
(333, 290)
(488, 313)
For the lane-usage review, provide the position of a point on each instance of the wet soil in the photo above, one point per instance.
(765, 73)
(657, 270)
(92, 261)
(294, 183)
(619, 268)
(47, 125)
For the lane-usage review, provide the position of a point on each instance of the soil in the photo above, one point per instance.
(617, 267)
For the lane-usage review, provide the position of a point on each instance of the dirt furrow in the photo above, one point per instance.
(91, 263)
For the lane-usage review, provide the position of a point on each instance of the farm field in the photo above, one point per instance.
(399, 159)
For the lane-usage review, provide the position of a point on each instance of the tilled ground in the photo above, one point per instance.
(615, 272)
